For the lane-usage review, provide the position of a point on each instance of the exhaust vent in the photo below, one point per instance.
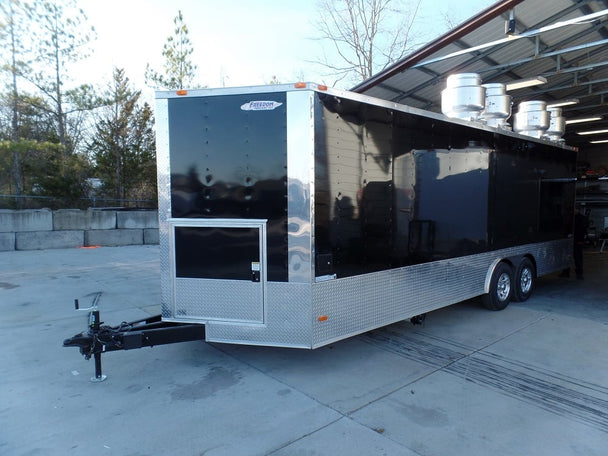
(497, 106)
(557, 125)
(464, 97)
(532, 119)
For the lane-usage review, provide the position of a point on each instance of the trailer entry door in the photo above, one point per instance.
(220, 269)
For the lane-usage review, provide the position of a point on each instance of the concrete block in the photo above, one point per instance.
(75, 219)
(114, 237)
(41, 240)
(151, 236)
(137, 219)
(69, 219)
(7, 242)
(28, 220)
(101, 220)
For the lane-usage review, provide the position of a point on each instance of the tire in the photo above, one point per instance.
(501, 288)
(524, 280)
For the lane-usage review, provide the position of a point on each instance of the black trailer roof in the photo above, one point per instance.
(258, 91)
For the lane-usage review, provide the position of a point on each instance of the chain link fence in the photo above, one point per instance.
(54, 203)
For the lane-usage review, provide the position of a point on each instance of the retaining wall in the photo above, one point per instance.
(45, 229)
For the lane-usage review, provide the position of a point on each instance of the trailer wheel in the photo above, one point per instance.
(501, 288)
(525, 276)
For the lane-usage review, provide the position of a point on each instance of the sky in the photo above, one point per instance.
(236, 42)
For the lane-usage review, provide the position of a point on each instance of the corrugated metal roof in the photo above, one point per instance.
(573, 57)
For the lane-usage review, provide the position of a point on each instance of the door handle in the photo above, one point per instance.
(255, 271)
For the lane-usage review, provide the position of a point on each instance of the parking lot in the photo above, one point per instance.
(529, 380)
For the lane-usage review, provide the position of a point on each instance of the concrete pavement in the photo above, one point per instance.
(530, 380)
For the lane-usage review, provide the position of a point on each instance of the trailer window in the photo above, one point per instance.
(216, 253)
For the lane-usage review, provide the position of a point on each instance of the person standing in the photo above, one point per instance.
(580, 232)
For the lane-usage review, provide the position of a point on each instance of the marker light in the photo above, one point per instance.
(182, 92)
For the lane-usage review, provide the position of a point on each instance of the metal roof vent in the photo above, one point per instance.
(463, 97)
(497, 106)
(532, 119)
(557, 125)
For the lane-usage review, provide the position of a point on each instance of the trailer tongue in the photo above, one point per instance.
(147, 332)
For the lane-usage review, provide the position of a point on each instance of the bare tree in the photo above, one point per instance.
(367, 35)
(62, 37)
(450, 19)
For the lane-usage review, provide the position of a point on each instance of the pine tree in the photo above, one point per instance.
(123, 144)
(178, 70)
(14, 15)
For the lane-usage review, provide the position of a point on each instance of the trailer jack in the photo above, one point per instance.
(148, 332)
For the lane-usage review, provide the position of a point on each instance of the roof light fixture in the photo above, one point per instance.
(528, 82)
(600, 141)
(559, 104)
(591, 132)
(582, 119)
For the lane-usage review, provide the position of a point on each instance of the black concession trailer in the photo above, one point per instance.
(297, 215)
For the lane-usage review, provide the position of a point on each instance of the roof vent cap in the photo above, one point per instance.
(463, 97)
(532, 118)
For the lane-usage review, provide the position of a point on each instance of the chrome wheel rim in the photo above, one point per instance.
(503, 287)
(525, 282)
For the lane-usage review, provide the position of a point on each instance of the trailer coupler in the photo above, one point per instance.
(148, 332)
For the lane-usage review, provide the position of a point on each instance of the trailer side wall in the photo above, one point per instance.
(394, 189)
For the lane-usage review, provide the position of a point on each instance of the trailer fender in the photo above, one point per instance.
(490, 273)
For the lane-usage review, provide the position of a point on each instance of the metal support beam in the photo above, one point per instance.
(514, 63)
(485, 57)
(574, 85)
(528, 34)
(438, 44)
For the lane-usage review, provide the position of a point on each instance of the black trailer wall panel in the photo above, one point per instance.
(236, 172)
(395, 189)
(533, 190)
